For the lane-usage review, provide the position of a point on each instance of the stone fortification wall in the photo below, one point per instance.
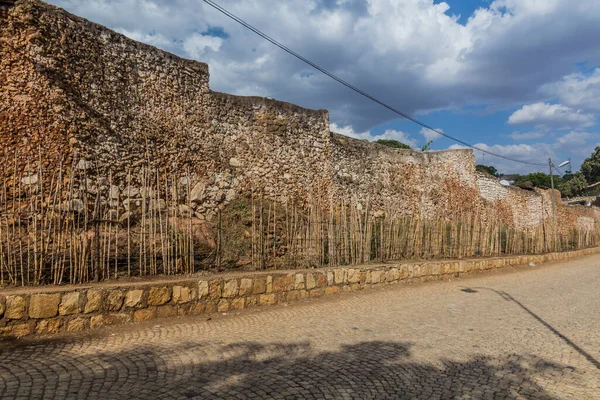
(75, 91)
(403, 182)
(77, 308)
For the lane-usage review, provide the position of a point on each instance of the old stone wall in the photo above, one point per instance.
(77, 308)
(76, 93)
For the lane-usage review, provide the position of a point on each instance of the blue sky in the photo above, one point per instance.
(516, 77)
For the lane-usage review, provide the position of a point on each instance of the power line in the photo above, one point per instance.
(359, 91)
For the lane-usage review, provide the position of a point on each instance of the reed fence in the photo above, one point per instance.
(73, 224)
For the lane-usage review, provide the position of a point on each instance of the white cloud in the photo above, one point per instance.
(547, 115)
(577, 90)
(197, 45)
(389, 134)
(517, 136)
(430, 135)
(411, 53)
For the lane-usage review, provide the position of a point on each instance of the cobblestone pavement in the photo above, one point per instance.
(527, 333)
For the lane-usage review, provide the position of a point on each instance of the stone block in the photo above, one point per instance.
(353, 276)
(215, 289)
(2, 305)
(94, 301)
(330, 278)
(223, 305)
(267, 299)
(282, 283)
(210, 307)
(197, 308)
(183, 309)
(316, 293)
(101, 320)
(17, 330)
(376, 276)
(69, 303)
(165, 311)
(78, 324)
(310, 281)
(114, 300)
(341, 276)
(299, 281)
(183, 294)
(251, 301)
(246, 287)
(202, 289)
(332, 290)
(269, 284)
(15, 307)
(143, 315)
(237, 304)
(259, 285)
(158, 296)
(48, 326)
(133, 298)
(230, 289)
(44, 305)
(321, 280)
(293, 295)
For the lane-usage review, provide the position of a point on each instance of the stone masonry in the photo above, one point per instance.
(76, 308)
(83, 95)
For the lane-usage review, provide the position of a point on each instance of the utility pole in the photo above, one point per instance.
(553, 210)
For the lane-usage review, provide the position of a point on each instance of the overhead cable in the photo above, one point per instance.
(359, 91)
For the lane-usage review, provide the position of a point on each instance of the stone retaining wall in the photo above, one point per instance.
(76, 308)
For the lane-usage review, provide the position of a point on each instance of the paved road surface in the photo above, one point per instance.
(527, 333)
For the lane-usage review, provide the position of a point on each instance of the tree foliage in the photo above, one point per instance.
(393, 143)
(487, 169)
(591, 167)
(572, 184)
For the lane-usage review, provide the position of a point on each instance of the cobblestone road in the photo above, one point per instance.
(527, 333)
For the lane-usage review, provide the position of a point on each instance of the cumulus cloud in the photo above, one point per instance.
(389, 134)
(413, 54)
(577, 90)
(546, 115)
(576, 145)
(430, 135)
(197, 45)
(517, 136)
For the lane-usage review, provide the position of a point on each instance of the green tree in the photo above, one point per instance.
(538, 179)
(393, 143)
(487, 169)
(591, 167)
(572, 184)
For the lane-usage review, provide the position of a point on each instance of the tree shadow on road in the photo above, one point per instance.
(367, 370)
